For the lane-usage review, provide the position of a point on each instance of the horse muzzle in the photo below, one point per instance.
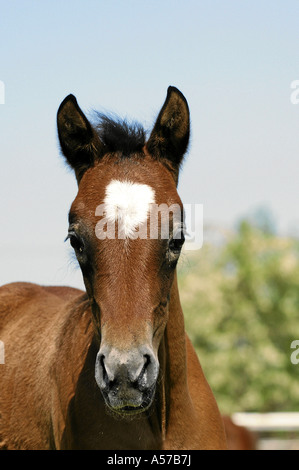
(127, 379)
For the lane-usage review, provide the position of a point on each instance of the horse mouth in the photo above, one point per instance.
(124, 407)
(129, 410)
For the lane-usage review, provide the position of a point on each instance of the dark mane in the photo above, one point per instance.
(119, 135)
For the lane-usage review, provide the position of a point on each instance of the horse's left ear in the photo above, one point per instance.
(170, 136)
(78, 140)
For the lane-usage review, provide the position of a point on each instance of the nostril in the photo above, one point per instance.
(147, 360)
(142, 381)
(105, 380)
(102, 358)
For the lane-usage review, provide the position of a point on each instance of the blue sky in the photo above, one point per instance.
(234, 61)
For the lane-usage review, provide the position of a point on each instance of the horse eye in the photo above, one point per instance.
(76, 242)
(175, 244)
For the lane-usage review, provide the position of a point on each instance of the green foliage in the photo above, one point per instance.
(241, 306)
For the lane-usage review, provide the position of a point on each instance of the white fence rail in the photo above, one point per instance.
(260, 422)
(263, 423)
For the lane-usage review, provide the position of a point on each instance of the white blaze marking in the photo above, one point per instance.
(128, 204)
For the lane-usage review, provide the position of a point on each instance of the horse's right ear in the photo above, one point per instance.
(78, 140)
(169, 139)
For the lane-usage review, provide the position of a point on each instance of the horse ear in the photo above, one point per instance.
(170, 136)
(78, 140)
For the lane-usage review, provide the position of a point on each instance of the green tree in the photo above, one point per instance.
(241, 305)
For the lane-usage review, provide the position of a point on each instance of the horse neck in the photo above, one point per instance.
(175, 340)
(176, 402)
